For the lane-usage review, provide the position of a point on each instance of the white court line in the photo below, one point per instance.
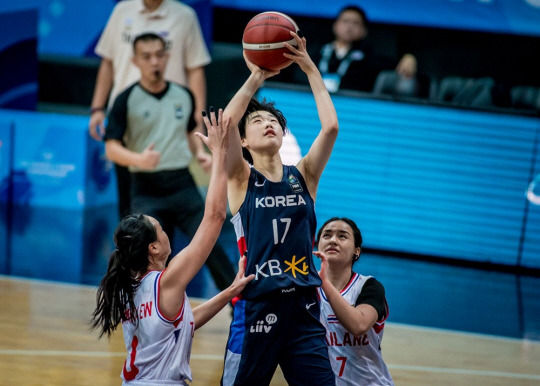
(95, 354)
(484, 373)
(426, 369)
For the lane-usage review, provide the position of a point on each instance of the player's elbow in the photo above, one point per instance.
(217, 215)
(359, 329)
(110, 151)
(332, 128)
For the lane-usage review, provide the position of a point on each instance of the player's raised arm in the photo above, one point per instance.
(314, 162)
(189, 261)
(237, 167)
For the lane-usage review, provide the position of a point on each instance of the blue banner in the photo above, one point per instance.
(520, 17)
(74, 27)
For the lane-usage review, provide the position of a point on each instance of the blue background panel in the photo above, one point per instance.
(505, 16)
(62, 198)
(422, 179)
(56, 163)
(5, 191)
(18, 59)
(531, 245)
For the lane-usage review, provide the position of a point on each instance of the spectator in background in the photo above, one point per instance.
(350, 62)
(151, 130)
(353, 307)
(177, 23)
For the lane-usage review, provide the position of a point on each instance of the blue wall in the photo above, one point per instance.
(60, 201)
(18, 60)
(427, 180)
(73, 27)
(417, 179)
(518, 17)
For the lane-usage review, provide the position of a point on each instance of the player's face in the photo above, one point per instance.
(162, 241)
(350, 27)
(263, 131)
(151, 59)
(337, 242)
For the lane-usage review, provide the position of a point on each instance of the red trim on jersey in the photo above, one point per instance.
(242, 246)
(379, 325)
(178, 318)
(351, 281)
(146, 274)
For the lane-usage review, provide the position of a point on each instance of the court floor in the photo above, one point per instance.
(45, 338)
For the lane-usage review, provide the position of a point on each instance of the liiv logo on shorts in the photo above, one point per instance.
(260, 326)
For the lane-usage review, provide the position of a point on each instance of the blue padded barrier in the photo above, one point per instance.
(63, 204)
(426, 180)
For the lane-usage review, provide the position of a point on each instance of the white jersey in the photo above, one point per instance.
(355, 360)
(158, 348)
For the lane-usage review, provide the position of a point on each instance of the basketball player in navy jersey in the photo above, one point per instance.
(276, 319)
(353, 307)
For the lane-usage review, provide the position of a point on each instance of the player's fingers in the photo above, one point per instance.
(205, 119)
(213, 116)
(201, 136)
(220, 117)
(299, 37)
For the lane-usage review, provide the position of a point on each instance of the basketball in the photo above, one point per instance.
(263, 40)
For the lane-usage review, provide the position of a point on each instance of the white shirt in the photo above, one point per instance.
(177, 23)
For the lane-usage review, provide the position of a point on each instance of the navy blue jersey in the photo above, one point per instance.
(276, 225)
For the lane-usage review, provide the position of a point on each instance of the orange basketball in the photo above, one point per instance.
(263, 40)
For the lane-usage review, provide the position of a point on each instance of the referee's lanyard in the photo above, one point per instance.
(332, 80)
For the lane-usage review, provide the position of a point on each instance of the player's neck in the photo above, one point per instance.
(269, 166)
(339, 278)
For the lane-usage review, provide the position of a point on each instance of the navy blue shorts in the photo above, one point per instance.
(282, 328)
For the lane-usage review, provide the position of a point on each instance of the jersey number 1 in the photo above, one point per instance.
(131, 374)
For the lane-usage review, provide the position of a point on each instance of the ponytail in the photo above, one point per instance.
(116, 291)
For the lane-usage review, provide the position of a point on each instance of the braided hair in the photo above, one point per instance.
(115, 294)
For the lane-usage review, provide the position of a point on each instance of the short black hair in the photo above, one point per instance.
(148, 37)
(255, 105)
(356, 9)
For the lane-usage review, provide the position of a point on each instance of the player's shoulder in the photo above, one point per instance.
(371, 284)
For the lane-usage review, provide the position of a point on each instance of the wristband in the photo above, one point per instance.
(94, 109)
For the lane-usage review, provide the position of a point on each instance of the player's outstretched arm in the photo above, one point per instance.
(314, 162)
(237, 167)
(187, 263)
(210, 308)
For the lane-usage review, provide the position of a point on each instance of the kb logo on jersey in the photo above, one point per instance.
(261, 326)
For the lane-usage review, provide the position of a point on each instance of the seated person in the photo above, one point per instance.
(349, 61)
